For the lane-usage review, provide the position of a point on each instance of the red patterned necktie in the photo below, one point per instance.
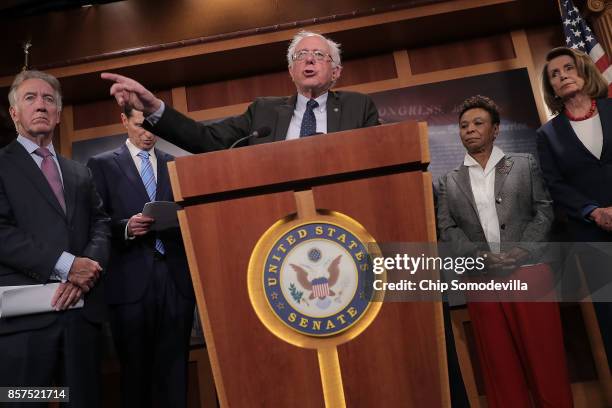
(51, 172)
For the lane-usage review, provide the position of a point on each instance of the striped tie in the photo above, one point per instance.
(148, 178)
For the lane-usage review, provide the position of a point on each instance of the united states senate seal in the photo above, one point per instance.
(314, 276)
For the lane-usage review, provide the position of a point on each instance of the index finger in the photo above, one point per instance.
(77, 296)
(58, 292)
(144, 219)
(62, 301)
(109, 76)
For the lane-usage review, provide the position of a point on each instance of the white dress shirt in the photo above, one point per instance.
(138, 161)
(320, 113)
(482, 182)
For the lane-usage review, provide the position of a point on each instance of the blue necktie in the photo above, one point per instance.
(309, 122)
(148, 178)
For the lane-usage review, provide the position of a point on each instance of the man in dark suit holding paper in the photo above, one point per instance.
(148, 284)
(52, 230)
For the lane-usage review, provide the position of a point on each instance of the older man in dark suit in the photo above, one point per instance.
(53, 229)
(148, 287)
(314, 66)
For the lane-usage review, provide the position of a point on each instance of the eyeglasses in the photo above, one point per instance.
(316, 54)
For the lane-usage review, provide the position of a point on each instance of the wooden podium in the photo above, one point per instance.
(375, 176)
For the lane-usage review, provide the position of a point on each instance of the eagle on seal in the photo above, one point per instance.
(320, 286)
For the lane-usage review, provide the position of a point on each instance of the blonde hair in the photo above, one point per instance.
(595, 85)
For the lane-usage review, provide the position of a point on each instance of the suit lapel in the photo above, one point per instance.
(333, 112)
(502, 169)
(126, 164)
(567, 136)
(70, 190)
(604, 107)
(163, 179)
(462, 178)
(32, 173)
(283, 118)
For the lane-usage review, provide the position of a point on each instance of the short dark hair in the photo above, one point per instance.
(127, 110)
(483, 102)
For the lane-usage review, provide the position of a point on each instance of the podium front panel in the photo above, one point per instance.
(251, 366)
(254, 367)
(403, 367)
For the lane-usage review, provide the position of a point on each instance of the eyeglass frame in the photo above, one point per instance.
(305, 53)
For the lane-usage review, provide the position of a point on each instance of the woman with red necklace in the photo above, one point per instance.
(575, 149)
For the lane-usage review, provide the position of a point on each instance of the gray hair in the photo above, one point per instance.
(334, 47)
(33, 74)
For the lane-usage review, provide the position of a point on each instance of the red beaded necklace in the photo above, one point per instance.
(588, 115)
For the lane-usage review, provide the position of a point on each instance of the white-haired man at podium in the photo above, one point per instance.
(314, 66)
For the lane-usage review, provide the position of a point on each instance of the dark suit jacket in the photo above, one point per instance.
(345, 111)
(574, 176)
(524, 208)
(34, 231)
(124, 195)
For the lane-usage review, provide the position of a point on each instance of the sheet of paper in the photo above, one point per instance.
(164, 213)
(28, 299)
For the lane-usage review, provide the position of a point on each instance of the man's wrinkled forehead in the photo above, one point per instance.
(312, 43)
(35, 86)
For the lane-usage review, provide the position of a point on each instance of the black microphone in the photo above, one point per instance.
(258, 133)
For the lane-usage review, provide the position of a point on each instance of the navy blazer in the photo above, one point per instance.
(34, 230)
(123, 193)
(576, 178)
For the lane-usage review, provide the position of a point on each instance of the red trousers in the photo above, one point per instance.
(520, 346)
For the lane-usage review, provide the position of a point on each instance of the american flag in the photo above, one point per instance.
(578, 35)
